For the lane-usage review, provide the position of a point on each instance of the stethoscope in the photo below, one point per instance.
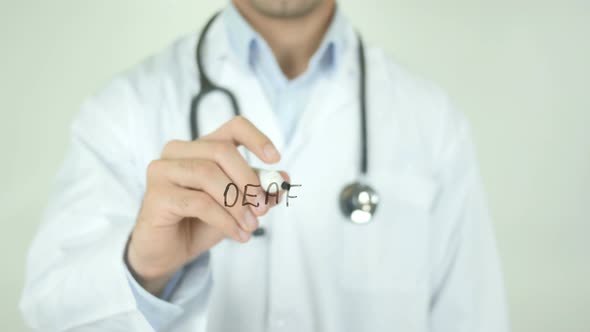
(358, 201)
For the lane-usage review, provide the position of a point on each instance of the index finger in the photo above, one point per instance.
(240, 131)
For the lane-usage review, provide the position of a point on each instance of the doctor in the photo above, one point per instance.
(137, 238)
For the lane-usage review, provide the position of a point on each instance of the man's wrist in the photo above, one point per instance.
(154, 283)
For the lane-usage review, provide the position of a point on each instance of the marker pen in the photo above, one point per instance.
(267, 177)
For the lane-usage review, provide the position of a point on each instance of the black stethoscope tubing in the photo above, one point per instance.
(206, 85)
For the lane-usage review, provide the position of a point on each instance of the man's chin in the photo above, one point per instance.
(286, 9)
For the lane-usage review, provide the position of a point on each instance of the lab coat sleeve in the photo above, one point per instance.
(467, 287)
(159, 312)
(76, 278)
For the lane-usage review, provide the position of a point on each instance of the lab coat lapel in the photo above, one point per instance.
(258, 109)
(333, 93)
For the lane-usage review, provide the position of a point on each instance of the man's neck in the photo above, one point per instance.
(293, 40)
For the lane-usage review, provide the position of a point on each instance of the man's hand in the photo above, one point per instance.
(183, 213)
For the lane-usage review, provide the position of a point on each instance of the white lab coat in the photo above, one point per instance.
(427, 262)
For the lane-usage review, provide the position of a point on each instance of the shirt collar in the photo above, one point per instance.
(245, 41)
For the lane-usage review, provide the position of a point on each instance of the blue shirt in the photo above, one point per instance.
(287, 98)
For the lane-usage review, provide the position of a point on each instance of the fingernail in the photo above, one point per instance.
(244, 236)
(270, 152)
(250, 221)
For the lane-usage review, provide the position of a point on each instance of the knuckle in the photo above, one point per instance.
(185, 164)
(207, 169)
(223, 150)
(204, 202)
(170, 146)
(153, 168)
(153, 202)
(239, 119)
(182, 203)
(198, 168)
(264, 141)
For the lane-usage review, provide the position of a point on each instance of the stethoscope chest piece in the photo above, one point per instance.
(358, 202)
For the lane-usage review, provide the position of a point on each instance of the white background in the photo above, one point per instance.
(519, 70)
